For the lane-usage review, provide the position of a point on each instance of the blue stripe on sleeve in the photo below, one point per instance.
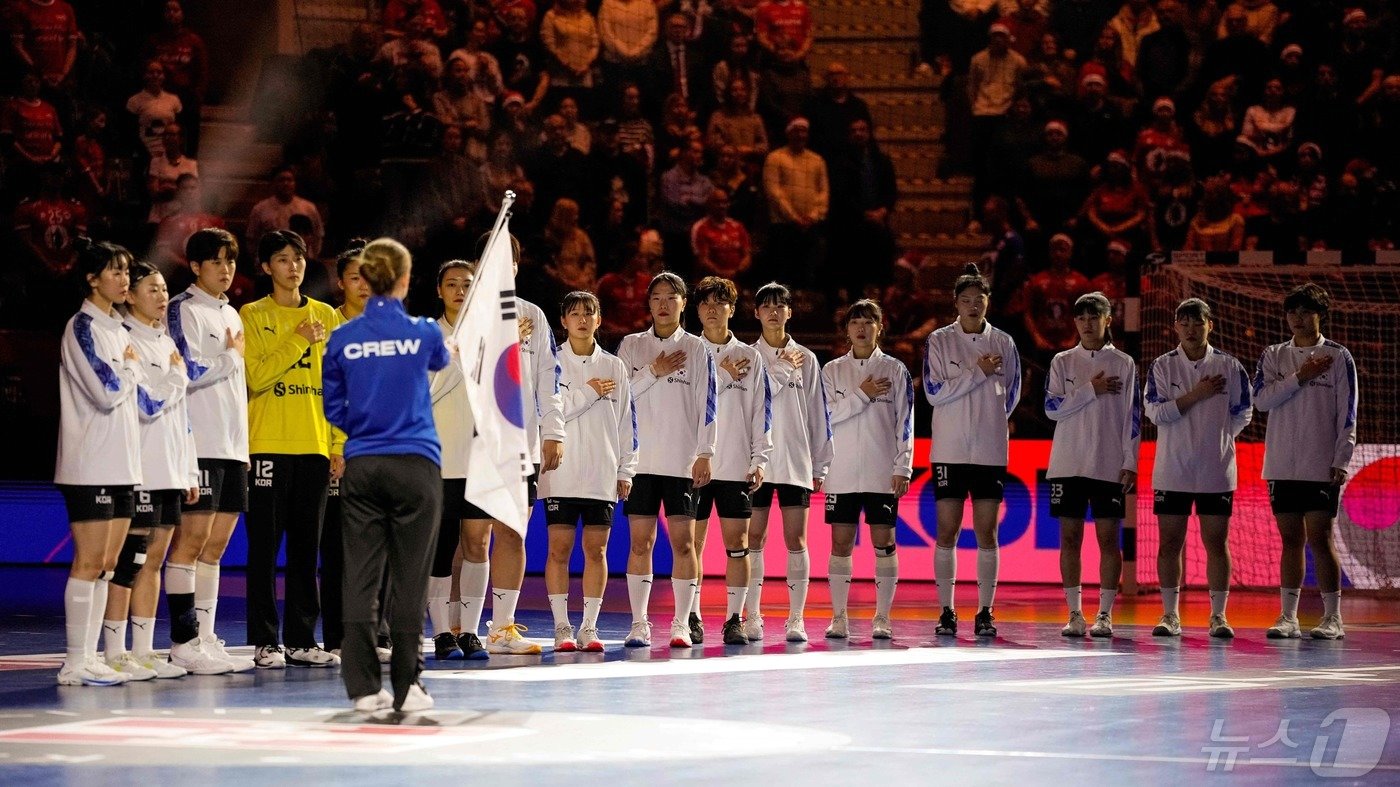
(635, 443)
(173, 319)
(909, 401)
(711, 397)
(1137, 411)
(931, 386)
(1259, 374)
(1152, 395)
(148, 405)
(826, 406)
(1351, 379)
(82, 331)
(767, 405)
(1244, 402)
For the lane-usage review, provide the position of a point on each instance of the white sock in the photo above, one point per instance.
(799, 572)
(77, 609)
(695, 601)
(1171, 601)
(143, 635)
(1106, 597)
(114, 638)
(685, 591)
(591, 608)
(838, 576)
(95, 616)
(454, 614)
(1074, 597)
(438, 588)
(1332, 603)
(945, 572)
(1217, 601)
(179, 579)
(735, 603)
(1288, 601)
(206, 596)
(639, 595)
(559, 605)
(503, 604)
(473, 589)
(988, 566)
(754, 599)
(886, 580)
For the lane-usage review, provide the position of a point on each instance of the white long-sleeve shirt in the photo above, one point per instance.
(873, 440)
(218, 391)
(1196, 450)
(1312, 425)
(970, 408)
(539, 361)
(1095, 436)
(677, 414)
(603, 448)
(98, 432)
(744, 413)
(452, 413)
(167, 440)
(801, 429)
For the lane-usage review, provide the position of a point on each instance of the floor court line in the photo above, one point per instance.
(1069, 755)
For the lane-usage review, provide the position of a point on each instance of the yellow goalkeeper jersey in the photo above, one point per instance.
(285, 415)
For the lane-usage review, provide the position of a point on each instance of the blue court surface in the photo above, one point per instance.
(1029, 707)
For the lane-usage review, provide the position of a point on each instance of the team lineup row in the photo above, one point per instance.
(686, 423)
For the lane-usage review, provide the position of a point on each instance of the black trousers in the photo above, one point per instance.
(391, 508)
(286, 498)
(332, 571)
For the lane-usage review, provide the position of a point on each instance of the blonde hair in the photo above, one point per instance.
(382, 263)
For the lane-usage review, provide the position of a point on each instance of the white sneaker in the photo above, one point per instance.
(753, 627)
(312, 657)
(163, 669)
(189, 656)
(588, 641)
(796, 630)
(840, 627)
(1220, 628)
(89, 673)
(680, 634)
(373, 702)
(564, 639)
(1284, 628)
(1168, 626)
(131, 668)
(1076, 625)
(416, 700)
(382, 653)
(215, 647)
(1329, 628)
(508, 640)
(880, 627)
(640, 635)
(270, 657)
(1103, 626)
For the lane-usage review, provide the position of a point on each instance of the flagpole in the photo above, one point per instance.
(501, 218)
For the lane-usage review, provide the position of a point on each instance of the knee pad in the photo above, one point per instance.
(885, 551)
(133, 557)
(737, 552)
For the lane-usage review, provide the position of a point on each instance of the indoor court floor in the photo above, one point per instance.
(1029, 707)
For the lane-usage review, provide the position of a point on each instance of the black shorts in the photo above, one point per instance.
(650, 491)
(1167, 503)
(223, 486)
(567, 511)
(454, 502)
(881, 508)
(89, 503)
(1302, 497)
(532, 488)
(789, 496)
(957, 482)
(157, 508)
(730, 498)
(1071, 497)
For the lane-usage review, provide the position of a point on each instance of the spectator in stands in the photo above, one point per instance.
(1118, 208)
(993, 77)
(1261, 18)
(1175, 195)
(796, 184)
(154, 108)
(784, 88)
(736, 124)
(577, 131)
(34, 134)
(625, 291)
(1134, 21)
(456, 187)
(741, 179)
(1269, 124)
(164, 173)
(863, 194)
(614, 177)
(522, 57)
(1279, 230)
(1360, 60)
(680, 202)
(47, 224)
(500, 172)
(484, 72)
(557, 169)
(1107, 61)
(1213, 128)
(720, 244)
(784, 29)
(1237, 53)
(678, 65)
(459, 104)
(572, 263)
(1313, 191)
(1113, 281)
(1004, 262)
(1055, 183)
(1294, 72)
(187, 216)
(415, 50)
(634, 131)
(515, 121)
(1078, 22)
(1161, 136)
(182, 52)
(1012, 146)
(627, 30)
(832, 110)
(1051, 77)
(570, 35)
(1028, 25)
(738, 62)
(90, 160)
(276, 212)
(1250, 178)
(1216, 227)
(398, 16)
(1050, 296)
(677, 129)
(44, 35)
(1325, 115)
(1166, 58)
(1099, 125)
